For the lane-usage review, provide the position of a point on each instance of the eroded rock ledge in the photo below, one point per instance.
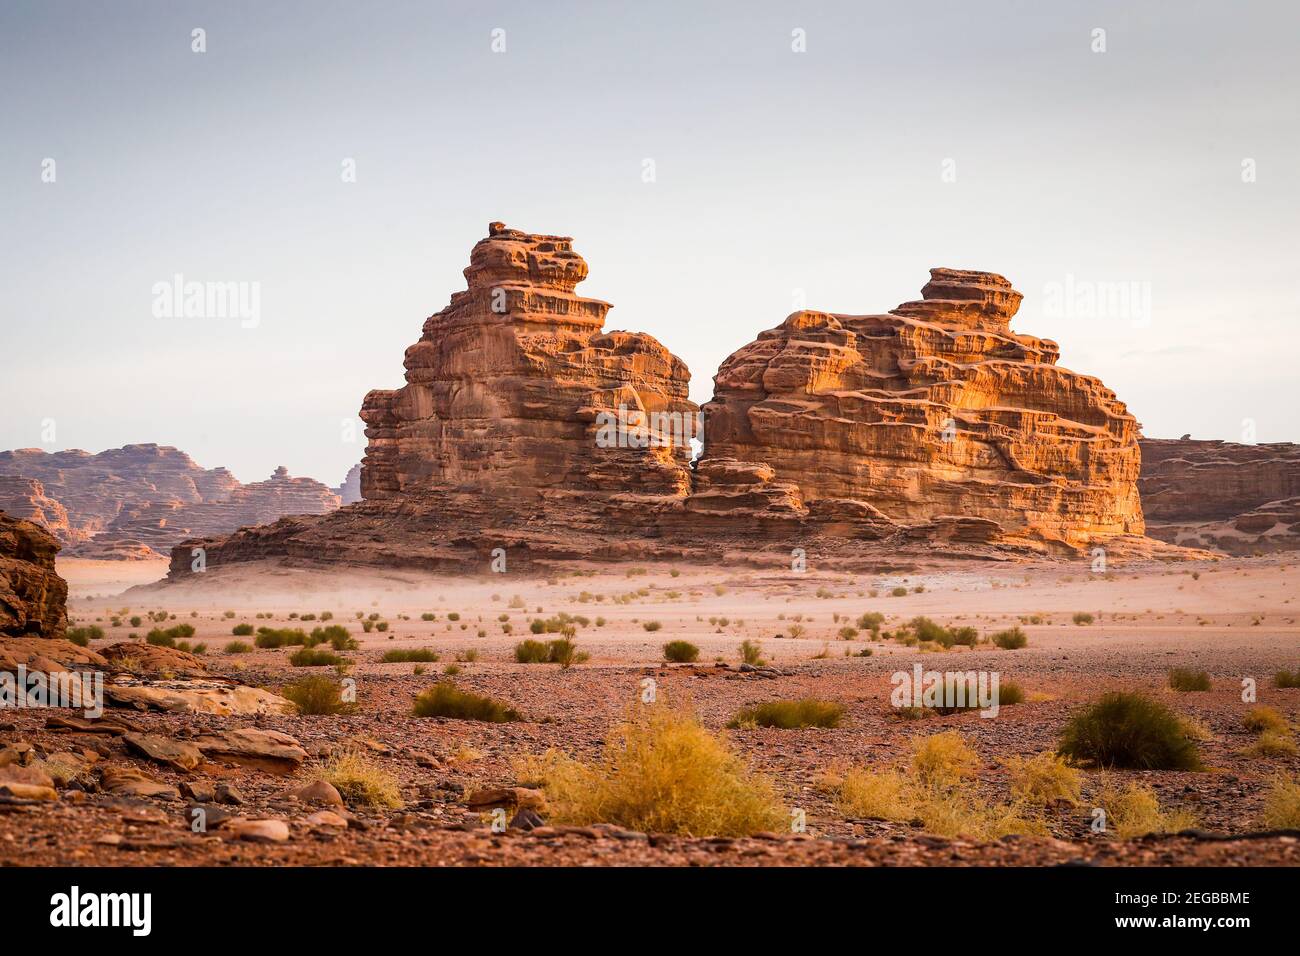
(845, 435)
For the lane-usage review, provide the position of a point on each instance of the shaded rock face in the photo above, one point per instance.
(935, 409)
(33, 598)
(139, 501)
(350, 491)
(505, 386)
(1241, 499)
(930, 425)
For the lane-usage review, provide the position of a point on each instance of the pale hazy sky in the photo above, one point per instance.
(775, 171)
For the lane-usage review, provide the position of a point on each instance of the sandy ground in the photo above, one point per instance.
(1234, 618)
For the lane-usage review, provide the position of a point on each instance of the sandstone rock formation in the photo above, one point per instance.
(33, 598)
(139, 501)
(350, 491)
(933, 411)
(525, 427)
(1240, 499)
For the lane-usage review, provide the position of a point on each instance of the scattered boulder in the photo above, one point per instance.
(127, 781)
(257, 831)
(26, 783)
(318, 793)
(268, 750)
(198, 697)
(174, 753)
(33, 598)
(139, 657)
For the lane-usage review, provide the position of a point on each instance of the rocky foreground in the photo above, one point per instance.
(211, 732)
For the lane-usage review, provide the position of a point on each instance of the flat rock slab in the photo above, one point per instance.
(267, 750)
(108, 726)
(173, 753)
(258, 831)
(129, 782)
(26, 783)
(198, 697)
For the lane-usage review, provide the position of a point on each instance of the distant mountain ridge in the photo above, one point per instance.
(140, 500)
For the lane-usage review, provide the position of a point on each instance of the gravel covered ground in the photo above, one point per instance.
(1235, 619)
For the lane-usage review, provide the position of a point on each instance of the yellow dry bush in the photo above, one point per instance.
(661, 772)
(1134, 810)
(931, 791)
(1282, 805)
(943, 760)
(1043, 779)
(1261, 718)
(361, 781)
(1271, 743)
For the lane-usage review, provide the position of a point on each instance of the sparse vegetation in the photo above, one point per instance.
(420, 655)
(82, 636)
(1134, 810)
(1083, 617)
(652, 625)
(1285, 678)
(273, 637)
(788, 714)
(1011, 640)
(237, 647)
(681, 652)
(661, 772)
(242, 630)
(1043, 779)
(1186, 679)
(315, 657)
(1271, 743)
(361, 781)
(1261, 718)
(751, 652)
(1122, 729)
(1282, 804)
(317, 695)
(445, 699)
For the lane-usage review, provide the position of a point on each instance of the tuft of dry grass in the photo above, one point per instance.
(1043, 779)
(1282, 804)
(1262, 718)
(933, 791)
(790, 714)
(1134, 810)
(361, 781)
(681, 652)
(661, 772)
(1272, 743)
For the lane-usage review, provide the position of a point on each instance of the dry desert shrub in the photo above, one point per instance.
(1011, 640)
(789, 714)
(315, 657)
(1272, 743)
(1282, 804)
(316, 695)
(1134, 810)
(681, 652)
(445, 699)
(1186, 679)
(1122, 729)
(1285, 678)
(1043, 779)
(751, 652)
(361, 781)
(661, 772)
(1261, 718)
(933, 790)
(418, 655)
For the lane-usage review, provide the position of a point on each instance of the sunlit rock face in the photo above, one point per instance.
(934, 409)
(33, 598)
(506, 387)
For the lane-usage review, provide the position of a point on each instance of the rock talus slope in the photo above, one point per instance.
(931, 423)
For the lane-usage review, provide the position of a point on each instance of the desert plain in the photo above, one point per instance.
(1234, 618)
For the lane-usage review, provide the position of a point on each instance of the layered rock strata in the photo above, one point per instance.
(33, 598)
(935, 410)
(525, 427)
(1236, 498)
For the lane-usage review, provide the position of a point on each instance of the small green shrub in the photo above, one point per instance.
(681, 652)
(1122, 729)
(1011, 640)
(237, 647)
(317, 694)
(420, 655)
(315, 657)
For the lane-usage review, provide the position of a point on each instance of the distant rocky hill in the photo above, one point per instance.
(350, 490)
(1242, 499)
(139, 501)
